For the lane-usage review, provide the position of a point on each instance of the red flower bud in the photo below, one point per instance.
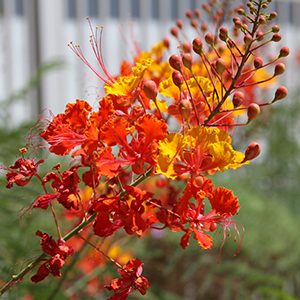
(248, 39)
(259, 35)
(187, 60)
(279, 69)
(204, 27)
(209, 38)
(280, 93)
(197, 46)
(174, 31)
(150, 89)
(189, 14)
(194, 23)
(273, 15)
(253, 111)
(186, 47)
(177, 78)
(223, 34)
(238, 99)
(284, 51)
(197, 13)
(179, 24)
(175, 62)
(166, 42)
(258, 62)
(252, 151)
(276, 37)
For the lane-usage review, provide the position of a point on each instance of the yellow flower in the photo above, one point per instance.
(125, 85)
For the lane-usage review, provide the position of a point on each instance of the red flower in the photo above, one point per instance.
(131, 280)
(21, 172)
(58, 251)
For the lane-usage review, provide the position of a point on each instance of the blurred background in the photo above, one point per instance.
(39, 73)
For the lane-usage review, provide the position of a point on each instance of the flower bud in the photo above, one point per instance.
(273, 15)
(223, 33)
(276, 37)
(187, 60)
(241, 11)
(150, 89)
(209, 38)
(197, 13)
(197, 46)
(259, 35)
(189, 14)
(204, 27)
(252, 151)
(275, 29)
(198, 181)
(186, 47)
(177, 78)
(284, 51)
(247, 39)
(166, 42)
(279, 69)
(252, 111)
(174, 31)
(258, 62)
(175, 62)
(179, 24)
(238, 99)
(262, 19)
(280, 93)
(194, 23)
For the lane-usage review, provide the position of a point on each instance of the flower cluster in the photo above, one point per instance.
(166, 118)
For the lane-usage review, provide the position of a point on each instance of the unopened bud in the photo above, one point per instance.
(258, 62)
(275, 29)
(186, 47)
(204, 27)
(197, 13)
(177, 78)
(223, 33)
(150, 89)
(166, 42)
(179, 24)
(175, 62)
(252, 111)
(189, 14)
(198, 181)
(237, 22)
(284, 51)
(279, 69)
(209, 38)
(220, 65)
(238, 99)
(252, 151)
(187, 60)
(259, 35)
(262, 19)
(248, 39)
(174, 31)
(197, 46)
(194, 23)
(276, 37)
(241, 11)
(273, 15)
(280, 93)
